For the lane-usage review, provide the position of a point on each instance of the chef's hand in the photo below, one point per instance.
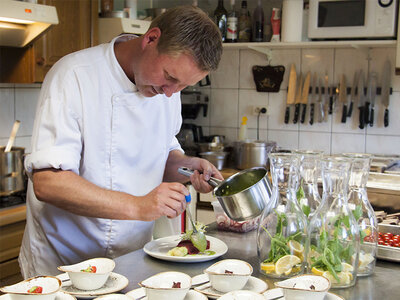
(203, 170)
(167, 199)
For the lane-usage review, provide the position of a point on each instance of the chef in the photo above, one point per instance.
(104, 155)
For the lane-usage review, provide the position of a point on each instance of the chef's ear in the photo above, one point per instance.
(151, 36)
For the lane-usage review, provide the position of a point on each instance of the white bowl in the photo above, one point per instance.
(89, 281)
(227, 282)
(304, 287)
(114, 297)
(50, 286)
(242, 295)
(159, 286)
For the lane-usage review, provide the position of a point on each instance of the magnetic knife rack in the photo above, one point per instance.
(348, 90)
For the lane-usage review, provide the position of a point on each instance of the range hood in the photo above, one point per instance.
(109, 28)
(22, 22)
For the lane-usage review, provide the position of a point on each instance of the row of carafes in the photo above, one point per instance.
(326, 99)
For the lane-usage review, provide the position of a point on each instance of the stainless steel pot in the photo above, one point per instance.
(217, 158)
(249, 154)
(12, 178)
(243, 195)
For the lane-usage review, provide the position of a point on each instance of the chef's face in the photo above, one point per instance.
(164, 74)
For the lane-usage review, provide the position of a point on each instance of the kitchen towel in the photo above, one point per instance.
(292, 20)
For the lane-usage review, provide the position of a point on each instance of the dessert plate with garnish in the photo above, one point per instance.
(114, 283)
(186, 248)
(277, 294)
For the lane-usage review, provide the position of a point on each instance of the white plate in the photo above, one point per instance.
(253, 284)
(274, 293)
(138, 293)
(159, 248)
(114, 283)
(59, 296)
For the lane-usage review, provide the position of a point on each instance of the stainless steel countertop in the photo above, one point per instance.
(384, 284)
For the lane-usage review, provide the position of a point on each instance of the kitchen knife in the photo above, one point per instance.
(330, 110)
(320, 104)
(361, 99)
(304, 96)
(353, 94)
(291, 92)
(343, 97)
(367, 100)
(312, 102)
(326, 98)
(298, 99)
(371, 94)
(386, 78)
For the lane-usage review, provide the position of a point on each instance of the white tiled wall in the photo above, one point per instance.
(232, 94)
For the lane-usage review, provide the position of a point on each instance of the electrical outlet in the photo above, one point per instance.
(256, 110)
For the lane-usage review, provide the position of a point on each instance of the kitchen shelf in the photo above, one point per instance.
(314, 44)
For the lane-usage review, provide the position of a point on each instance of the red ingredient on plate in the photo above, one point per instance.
(228, 272)
(176, 285)
(90, 269)
(190, 247)
(35, 290)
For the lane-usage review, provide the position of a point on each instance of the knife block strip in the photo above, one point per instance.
(348, 90)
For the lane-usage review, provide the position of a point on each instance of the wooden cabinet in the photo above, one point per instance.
(77, 29)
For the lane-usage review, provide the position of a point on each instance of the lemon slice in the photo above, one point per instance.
(344, 277)
(347, 267)
(364, 260)
(268, 267)
(288, 271)
(296, 248)
(316, 271)
(286, 263)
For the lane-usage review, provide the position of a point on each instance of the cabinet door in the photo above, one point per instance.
(75, 31)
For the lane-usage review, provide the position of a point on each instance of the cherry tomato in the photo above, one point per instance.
(381, 243)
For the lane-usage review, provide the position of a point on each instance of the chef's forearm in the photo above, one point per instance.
(175, 160)
(70, 192)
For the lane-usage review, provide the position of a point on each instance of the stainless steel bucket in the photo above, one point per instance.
(243, 195)
(12, 178)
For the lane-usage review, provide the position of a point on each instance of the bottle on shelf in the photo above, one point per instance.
(220, 18)
(258, 23)
(232, 25)
(244, 35)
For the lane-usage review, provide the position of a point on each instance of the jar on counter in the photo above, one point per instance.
(282, 232)
(333, 230)
(363, 212)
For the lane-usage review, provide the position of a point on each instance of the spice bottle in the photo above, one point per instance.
(282, 233)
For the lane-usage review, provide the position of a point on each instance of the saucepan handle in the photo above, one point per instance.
(214, 182)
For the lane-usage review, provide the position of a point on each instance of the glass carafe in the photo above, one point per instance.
(363, 212)
(282, 233)
(333, 230)
(307, 194)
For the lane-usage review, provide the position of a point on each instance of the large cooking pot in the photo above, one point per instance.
(12, 179)
(249, 154)
(243, 195)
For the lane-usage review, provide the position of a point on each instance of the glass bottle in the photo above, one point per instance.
(282, 232)
(220, 18)
(244, 24)
(307, 194)
(232, 25)
(363, 212)
(258, 23)
(333, 230)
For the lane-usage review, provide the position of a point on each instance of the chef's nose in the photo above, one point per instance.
(169, 89)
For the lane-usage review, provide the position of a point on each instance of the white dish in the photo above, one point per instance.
(113, 297)
(59, 296)
(159, 248)
(253, 284)
(114, 283)
(275, 293)
(140, 292)
(307, 286)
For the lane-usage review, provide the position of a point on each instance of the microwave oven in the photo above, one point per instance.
(352, 19)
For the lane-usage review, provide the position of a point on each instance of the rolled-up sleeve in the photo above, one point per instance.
(57, 138)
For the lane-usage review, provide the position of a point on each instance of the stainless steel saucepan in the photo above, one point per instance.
(243, 195)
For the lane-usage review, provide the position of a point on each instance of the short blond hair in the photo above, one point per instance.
(187, 29)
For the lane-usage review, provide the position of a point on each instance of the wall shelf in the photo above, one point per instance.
(314, 44)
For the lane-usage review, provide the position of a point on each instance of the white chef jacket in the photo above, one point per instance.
(92, 120)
